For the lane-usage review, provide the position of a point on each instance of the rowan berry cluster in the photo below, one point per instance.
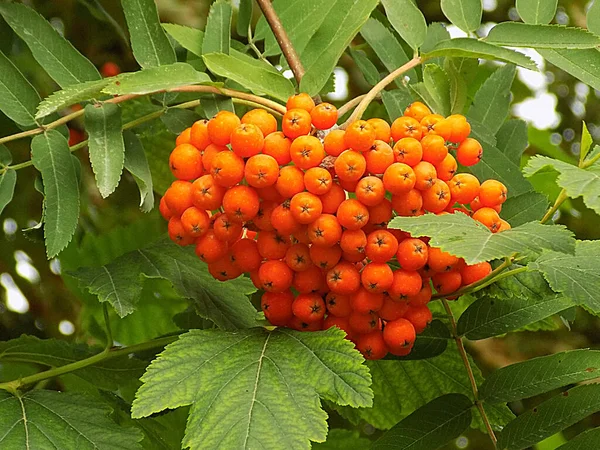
(307, 216)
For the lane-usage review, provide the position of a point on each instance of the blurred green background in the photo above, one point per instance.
(36, 300)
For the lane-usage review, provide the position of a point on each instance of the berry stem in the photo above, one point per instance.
(469, 369)
(107, 353)
(376, 90)
(283, 39)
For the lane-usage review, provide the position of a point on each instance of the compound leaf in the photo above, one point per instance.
(54, 53)
(150, 44)
(69, 96)
(120, 283)
(462, 236)
(240, 383)
(431, 426)
(539, 375)
(51, 156)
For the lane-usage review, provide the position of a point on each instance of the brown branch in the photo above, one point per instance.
(282, 39)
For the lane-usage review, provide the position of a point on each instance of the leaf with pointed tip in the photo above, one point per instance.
(18, 98)
(431, 426)
(253, 74)
(120, 283)
(42, 419)
(366, 66)
(511, 139)
(69, 96)
(437, 84)
(550, 417)
(473, 48)
(576, 276)
(155, 79)
(582, 64)
(396, 101)
(430, 343)
(537, 11)
(107, 150)
(178, 119)
(540, 375)
(51, 156)
(218, 29)
(246, 381)
(8, 179)
(137, 164)
(517, 34)
(576, 181)
(189, 38)
(586, 142)
(151, 47)
(464, 237)
(325, 48)
(54, 53)
(407, 20)
(588, 440)
(465, 14)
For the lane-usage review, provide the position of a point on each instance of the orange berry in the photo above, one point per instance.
(164, 210)
(246, 255)
(425, 175)
(360, 136)
(408, 151)
(460, 128)
(399, 334)
(446, 282)
(310, 280)
(437, 197)
(412, 254)
(440, 261)
(224, 269)
(300, 101)
(333, 198)
(407, 203)
(278, 146)
(290, 181)
(381, 246)
(283, 220)
(398, 178)
(488, 217)
(352, 214)
(309, 307)
(177, 232)
(447, 168)
(404, 127)
(423, 297)
(325, 257)
(405, 283)
(492, 193)
(350, 165)
(383, 131)
(261, 171)
(275, 276)
(370, 191)
(277, 307)
(364, 301)
(354, 241)
(380, 214)
(434, 149)
(185, 162)
(469, 152)
(262, 119)
(297, 257)
(335, 143)
(206, 193)
(473, 273)
(392, 309)
(464, 187)
(343, 278)
(419, 316)
(307, 152)
(226, 229)
(338, 305)
(199, 134)
(324, 116)
(306, 207)
(377, 277)
(247, 140)
(184, 137)
(317, 180)
(295, 123)
(221, 126)
(325, 231)
(364, 323)
(272, 245)
(227, 169)
(417, 111)
(179, 197)
(241, 203)
(209, 153)
(195, 221)
(379, 157)
(210, 249)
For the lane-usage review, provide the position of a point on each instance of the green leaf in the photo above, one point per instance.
(465, 14)
(430, 343)
(342, 439)
(431, 426)
(70, 95)
(66, 420)
(218, 29)
(213, 103)
(550, 417)
(582, 64)
(254, 74)
(586, 143)
(537, 11)
(301, 20)
(366, 66)
(158, 142)
(107, 150)
(523, 208)
(120, 283)
(8, 181)
(386, 47)
(247, 382)
(540, 375)
(244, 17)
(18, 98)
(150, 44)
(189, 38)
(517, 34)
(577, 182)
(464, 237)
(177, 119)
(108, 374)
(155, 79)
(137, 164)
(407, 20)
(473, 48)
(396, 101)
(436, 33)
(588, 440)
(511, 304)
(54, 53)
(511, 139)
(437, 84)
(576, 276)
(51, 156)
(492, 101)
(336, 32)
(458, 85)
(593, 18)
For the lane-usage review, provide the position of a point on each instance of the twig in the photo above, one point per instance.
(469, 369)
(559, 201)
(374, 92)
(344, 109)
(282, 39)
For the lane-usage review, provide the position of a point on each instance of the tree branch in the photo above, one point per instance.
(282, 39)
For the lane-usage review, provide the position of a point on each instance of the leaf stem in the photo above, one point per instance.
(376, 90)
(469, 370)
(109, 338)
(283, 39)
(107, 353)
(559, 201)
